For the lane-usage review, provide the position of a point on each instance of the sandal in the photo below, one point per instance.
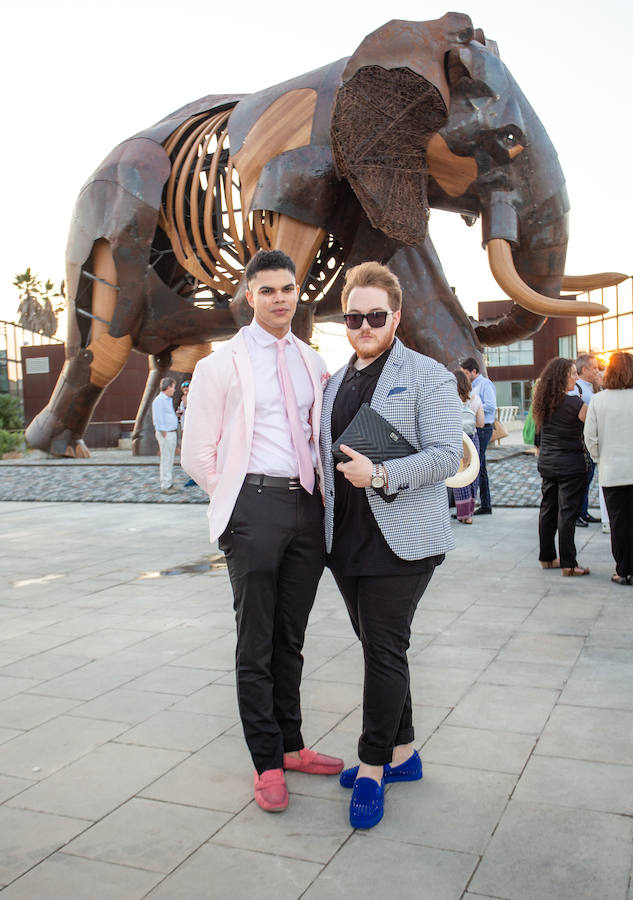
(577, 570)
(550, 563)
(467, 521)
(620, 579)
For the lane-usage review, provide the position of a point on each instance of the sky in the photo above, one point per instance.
(82, 76)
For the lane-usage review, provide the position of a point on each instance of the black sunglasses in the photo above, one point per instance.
(374, 319)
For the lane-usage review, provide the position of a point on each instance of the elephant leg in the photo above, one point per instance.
(60, 427)
(178, 364)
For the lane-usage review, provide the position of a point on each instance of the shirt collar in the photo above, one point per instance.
(374, 368)
(265, 338)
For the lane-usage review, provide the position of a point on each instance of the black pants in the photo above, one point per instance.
(619, 502)
(484, 434)
(275, 553)
(381, 610)
(560, 507)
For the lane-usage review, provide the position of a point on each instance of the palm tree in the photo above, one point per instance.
(35, 310)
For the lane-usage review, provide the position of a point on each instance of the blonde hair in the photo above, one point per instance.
(372, 274)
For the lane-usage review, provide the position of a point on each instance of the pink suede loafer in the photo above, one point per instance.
(313, 763)
(271, 793)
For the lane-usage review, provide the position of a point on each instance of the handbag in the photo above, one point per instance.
(373, 436)
(498, 431)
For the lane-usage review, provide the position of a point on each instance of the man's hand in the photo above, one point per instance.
(164, 434)
(358, 470)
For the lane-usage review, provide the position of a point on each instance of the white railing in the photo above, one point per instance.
(507, 413)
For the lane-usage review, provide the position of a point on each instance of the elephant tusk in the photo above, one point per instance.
(469, 466)
(509, 280)
(592, 282)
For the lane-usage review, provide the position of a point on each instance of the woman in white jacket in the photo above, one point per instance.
(609, 439)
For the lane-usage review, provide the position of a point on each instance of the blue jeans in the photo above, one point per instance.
(484, 435)
(585, 501)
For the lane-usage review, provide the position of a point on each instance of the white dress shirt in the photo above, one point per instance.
(272, 452)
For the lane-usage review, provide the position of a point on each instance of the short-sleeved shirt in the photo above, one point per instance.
(358, 545)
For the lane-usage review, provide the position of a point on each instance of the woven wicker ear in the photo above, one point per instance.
(381, 124)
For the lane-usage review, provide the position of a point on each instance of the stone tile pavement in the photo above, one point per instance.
(115, 476)
(124, 775)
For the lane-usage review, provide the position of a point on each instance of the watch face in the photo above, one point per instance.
(377, 481)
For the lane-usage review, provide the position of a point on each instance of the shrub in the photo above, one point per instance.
(10, 413)
(10, 440)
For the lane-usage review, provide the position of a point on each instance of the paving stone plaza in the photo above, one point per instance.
(124, 774)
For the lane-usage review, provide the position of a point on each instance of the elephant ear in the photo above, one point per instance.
(393, 98)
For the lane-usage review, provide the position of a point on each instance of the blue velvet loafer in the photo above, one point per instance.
(367, 805)
(409, 770)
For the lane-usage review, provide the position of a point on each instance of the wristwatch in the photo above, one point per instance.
(378, 479)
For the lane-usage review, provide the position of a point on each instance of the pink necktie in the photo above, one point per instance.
(299, 440)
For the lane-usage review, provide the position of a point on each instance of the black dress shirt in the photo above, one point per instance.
(358, 546)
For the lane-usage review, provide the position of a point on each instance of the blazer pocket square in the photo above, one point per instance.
(396, 390)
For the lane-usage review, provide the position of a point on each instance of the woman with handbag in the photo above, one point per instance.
(608, 435)
(472, 419)
(562, 464)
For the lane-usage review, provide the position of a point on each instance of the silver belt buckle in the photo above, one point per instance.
(294, 484)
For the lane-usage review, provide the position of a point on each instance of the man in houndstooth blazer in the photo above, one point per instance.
(387, 525)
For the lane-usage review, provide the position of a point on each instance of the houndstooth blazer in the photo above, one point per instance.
(419, 397)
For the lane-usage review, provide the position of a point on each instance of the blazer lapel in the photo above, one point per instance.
(244, 370)
(388, 376)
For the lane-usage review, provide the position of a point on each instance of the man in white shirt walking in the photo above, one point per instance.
(251, 442)
(485, 390)
(166, 426)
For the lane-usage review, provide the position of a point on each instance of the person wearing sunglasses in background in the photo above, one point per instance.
(387, 524)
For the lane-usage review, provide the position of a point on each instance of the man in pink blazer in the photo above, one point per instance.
(251, 443)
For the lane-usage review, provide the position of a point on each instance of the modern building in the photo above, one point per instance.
(515, 367)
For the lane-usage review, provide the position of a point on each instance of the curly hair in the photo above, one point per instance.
(619, 374)
(463, 384)
(550, 389)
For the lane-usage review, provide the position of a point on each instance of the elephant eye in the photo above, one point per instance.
(511, 137)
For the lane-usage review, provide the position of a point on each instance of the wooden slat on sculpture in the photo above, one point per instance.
(286, 125)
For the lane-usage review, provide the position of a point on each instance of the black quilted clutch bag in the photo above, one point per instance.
(373, 436)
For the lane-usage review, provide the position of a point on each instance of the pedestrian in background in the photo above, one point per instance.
(562, 464)
(472, 419)
(485, 390)
(588, 383)
(609, 438)
(166, 427)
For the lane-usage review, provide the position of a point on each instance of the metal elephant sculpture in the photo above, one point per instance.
(334, 167)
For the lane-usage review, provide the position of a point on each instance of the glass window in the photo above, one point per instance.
(625, 332)
(595, 336)
(625, 296)
(611, 334)
(521, 353)
(567, 346)
(583, 337)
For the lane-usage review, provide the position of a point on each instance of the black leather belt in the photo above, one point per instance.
(290, 484)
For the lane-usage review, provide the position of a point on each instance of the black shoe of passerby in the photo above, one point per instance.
(590, 520)
(580, 523)
(483, 511)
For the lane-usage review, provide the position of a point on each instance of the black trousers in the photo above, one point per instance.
(484, 434)
(381, 610)
(560, 506)
(619, 502)
(275, 553)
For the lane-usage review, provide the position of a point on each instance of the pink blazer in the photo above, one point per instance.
(216, 444)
